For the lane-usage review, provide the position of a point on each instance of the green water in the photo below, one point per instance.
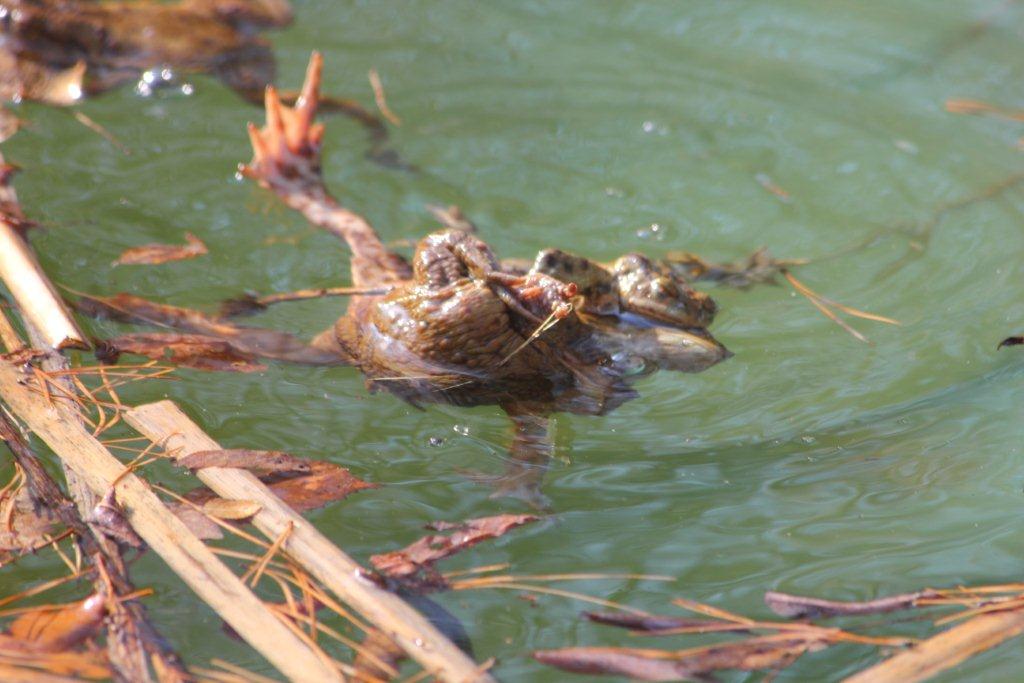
(810, 462)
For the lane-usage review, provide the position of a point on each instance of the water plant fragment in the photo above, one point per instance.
(154, 254)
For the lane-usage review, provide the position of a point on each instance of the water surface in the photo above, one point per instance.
(810, 462)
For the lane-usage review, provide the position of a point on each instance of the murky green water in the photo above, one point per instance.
(809, 463)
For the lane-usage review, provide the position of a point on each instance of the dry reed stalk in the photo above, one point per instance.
(165, 423)
(56, 423)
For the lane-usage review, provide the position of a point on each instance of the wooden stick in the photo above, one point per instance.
(32, 291)
(945, 650)
(165, 423)
(186, 555)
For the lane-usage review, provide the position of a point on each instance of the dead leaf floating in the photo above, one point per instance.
(225, 508)
(768, 652)
(646, 623)
(23, 525)
(153, 254)
(266, 462)
(50, 630)
(196, 351)
(108, 518)
(197, 521)
(1011, 341)
(799, 607)
(419, 557)
(324, 483)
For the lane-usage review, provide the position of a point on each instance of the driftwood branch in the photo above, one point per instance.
(197, 566)
(164, 423)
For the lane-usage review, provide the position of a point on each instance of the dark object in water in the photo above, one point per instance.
(61, 51)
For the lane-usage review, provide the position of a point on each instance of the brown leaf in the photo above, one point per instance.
(228, 508)
(648, 623)
(423, 553)
(19, 663)
(767, 652)
(200, 524)
(107, 518)
(49, 630)
(1011, 341)
(799, 607)
(378, 657)
(152, 254)
(246, 459)
(195, 351)
(325, 484)
(27, 526)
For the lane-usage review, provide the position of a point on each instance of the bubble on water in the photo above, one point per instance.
(655, 232)
(615, 192)
(187, 89)
(155, 79)
(461, 429)
(808, 439)
(654, 128)
(435, 441)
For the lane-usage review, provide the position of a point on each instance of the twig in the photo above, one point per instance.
(378, 97)
(95, 127)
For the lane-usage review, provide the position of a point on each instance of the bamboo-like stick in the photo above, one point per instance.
(163, 422)
(945, 650)
(32, 291)
(55, 423)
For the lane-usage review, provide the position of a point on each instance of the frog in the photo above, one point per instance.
(61, 51)
(457, 325)
(633, 284)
